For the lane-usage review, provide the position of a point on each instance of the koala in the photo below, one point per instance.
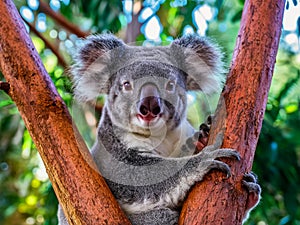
(145, 145)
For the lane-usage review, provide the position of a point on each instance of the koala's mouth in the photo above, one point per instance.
(149, 108)
(148, 119)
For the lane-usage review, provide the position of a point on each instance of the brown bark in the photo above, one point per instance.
(239, 115)
(78, 185)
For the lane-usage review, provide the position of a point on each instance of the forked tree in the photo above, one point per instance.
(81, 190)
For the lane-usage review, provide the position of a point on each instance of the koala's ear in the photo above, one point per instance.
(90, 70)
(201, 60)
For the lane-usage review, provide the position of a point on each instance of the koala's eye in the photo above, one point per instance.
(127, 86)
(170, 86)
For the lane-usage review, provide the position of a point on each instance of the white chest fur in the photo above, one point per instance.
(162, 142)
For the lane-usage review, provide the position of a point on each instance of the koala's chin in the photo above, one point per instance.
(149, 134)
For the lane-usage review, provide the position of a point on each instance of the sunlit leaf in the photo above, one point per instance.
(291, 108)
(35, 183)
(38, 44)
(4, 103)
(27, 143)
(58, 72)
(50, 62)
(31, 200)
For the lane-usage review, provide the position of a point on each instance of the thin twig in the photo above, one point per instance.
(59, 18)
(55, 51)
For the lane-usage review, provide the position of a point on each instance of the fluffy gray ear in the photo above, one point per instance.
(201, 60)
(91, 71)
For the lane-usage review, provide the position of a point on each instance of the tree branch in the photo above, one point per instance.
(133, 29)
(44, 7)
(82, 192)
(60, 58)
(240, 114)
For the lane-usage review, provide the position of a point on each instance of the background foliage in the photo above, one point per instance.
(26, 196)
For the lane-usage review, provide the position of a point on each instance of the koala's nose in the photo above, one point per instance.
(149, 105)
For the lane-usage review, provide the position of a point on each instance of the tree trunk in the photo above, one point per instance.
(133, 29)
(239, 115)
(81, 190)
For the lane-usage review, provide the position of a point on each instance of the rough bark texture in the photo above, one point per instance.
(240, 115)
(79, 187)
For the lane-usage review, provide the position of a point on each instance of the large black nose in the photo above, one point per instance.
(149, 101)
(151, 105)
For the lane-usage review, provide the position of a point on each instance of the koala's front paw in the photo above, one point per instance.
(250, 183)
(219, 153)
(210, 155)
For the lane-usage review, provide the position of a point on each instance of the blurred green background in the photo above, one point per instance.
(26, 195)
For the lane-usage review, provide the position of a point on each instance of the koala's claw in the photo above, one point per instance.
(250, 177)
(203, 131)
(210, 155)
(202, 134)
(221, 166)
(204, 128)
(225, 152)
(250, 183)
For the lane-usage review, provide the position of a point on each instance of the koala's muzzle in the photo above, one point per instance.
(149, 105)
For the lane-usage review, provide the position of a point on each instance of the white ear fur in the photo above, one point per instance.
(198, 57)
(201, 60)
(91, 71)
(91, 82)
(202, 76)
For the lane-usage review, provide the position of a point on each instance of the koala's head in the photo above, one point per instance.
(146, 86)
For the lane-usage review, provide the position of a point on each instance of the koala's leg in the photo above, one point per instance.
(254, 190)
(160, 216)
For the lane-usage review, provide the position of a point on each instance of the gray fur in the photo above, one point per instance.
(149, 164)
(199, 59)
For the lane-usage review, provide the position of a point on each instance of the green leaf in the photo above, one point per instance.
(4, 103)
(237, 17)
(291, 108)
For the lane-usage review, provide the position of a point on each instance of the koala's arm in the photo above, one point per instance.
(155, 189)
(249, 181)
